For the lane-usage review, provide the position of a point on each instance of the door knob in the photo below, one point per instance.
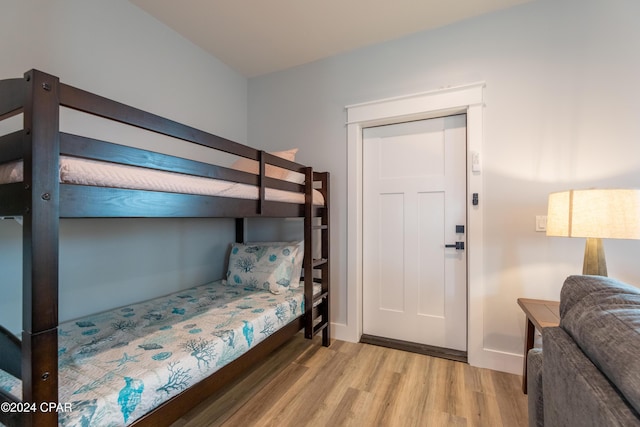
(458, 245)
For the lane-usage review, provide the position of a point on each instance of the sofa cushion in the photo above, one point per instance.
(602, 315)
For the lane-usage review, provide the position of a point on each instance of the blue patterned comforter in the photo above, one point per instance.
(118, 365)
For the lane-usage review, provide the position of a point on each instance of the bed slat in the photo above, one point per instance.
(12, 199)
(11, 146)
(12, 99)
(11, 353)
(79, 201)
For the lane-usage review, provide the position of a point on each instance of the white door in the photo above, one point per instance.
(414, 196)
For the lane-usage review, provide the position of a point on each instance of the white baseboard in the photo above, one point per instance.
(498, 360)
(340, 331)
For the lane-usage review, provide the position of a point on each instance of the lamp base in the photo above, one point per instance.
(595, 263)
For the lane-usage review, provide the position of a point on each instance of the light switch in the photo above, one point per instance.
(475, 162)
(541, 223)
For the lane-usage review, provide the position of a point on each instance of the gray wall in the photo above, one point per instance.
(561, 112)
(116, 50)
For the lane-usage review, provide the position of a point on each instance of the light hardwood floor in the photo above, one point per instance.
(347, 384)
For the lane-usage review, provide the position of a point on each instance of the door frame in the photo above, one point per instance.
(467, 99)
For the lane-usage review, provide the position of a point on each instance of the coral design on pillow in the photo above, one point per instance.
(262, 266)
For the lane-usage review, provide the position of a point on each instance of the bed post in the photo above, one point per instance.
(40, 246)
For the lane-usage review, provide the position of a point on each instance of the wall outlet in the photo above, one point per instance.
(541, 223)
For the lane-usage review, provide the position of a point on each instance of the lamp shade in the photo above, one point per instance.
(599, 213)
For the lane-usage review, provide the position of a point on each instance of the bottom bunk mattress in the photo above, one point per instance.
(118, 365)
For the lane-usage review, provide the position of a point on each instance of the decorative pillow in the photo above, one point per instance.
(252, 166)
(261, 266)
(297, 263)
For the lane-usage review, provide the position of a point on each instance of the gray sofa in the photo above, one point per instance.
(588, 370)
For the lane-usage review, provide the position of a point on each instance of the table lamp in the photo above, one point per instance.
(595, 214)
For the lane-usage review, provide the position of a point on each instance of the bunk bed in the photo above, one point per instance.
(42, 180)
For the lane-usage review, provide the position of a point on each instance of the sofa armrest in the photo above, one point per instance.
(534, 388)
(602, 316)
(575, 392)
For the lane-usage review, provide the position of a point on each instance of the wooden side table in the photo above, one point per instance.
(540, 314)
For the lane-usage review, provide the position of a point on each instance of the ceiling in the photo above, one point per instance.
(256, 37)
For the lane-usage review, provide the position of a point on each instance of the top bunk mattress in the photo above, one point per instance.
(79, 171)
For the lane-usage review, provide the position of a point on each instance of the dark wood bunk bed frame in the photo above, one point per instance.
(41, 200)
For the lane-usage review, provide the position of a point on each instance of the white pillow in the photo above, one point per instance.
(261, 266)
(252, 166)
(296, 177)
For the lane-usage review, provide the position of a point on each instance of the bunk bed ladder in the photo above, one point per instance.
(317, 305)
